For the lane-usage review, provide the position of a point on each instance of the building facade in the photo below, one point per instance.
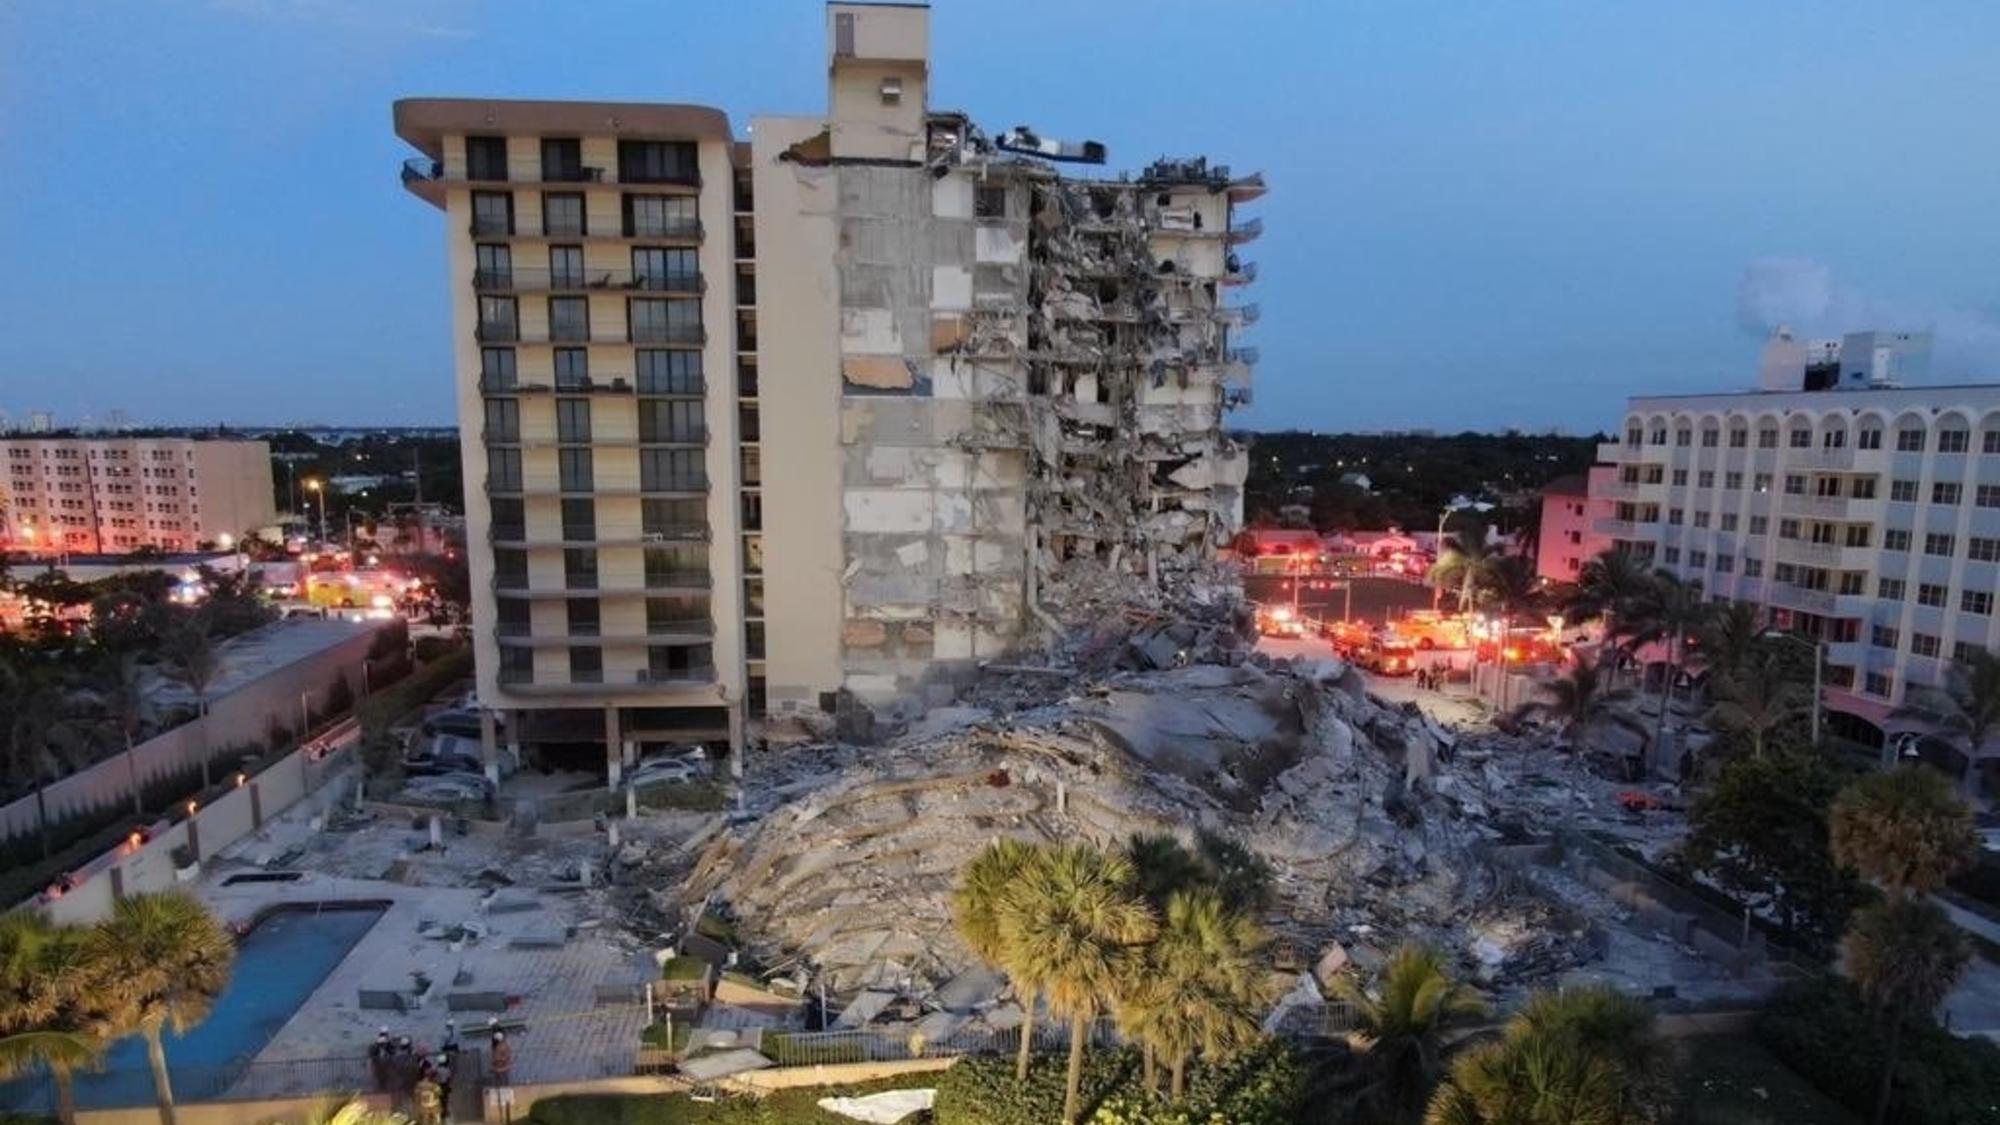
(813, 420)
(1568, 535)
(1865, 515)
(112, 495)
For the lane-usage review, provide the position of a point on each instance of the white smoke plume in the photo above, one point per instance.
(1807, 296)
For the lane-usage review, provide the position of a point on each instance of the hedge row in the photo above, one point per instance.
(1823, 1030)
(1265, 1086)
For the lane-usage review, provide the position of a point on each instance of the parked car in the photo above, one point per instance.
(442, 754)
(678, 769)
(448, 788)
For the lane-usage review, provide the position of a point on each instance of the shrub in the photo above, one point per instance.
(982, 1090)
(382, 709)
(1823, 1030)
(1264, 1086)
(428, 649)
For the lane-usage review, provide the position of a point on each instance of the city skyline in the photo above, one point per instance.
(1657, 189)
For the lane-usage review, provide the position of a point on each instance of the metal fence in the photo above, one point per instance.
(232, 1082)
(810, 1048)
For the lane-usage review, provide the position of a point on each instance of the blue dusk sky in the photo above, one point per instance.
(1481, 214)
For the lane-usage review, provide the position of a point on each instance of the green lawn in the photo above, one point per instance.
(785, 1107)
(1733, 1080)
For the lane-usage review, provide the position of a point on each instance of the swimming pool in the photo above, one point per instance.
(286, 955)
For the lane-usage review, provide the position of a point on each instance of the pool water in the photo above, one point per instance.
(279, 964)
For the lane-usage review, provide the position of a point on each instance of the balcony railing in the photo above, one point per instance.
(1246, 231)
(678, 580)
(693, 388)
(1616, 528)
(675, 532)
(1240, 273)
(422, 169)
(1242, 314)
(577, 175)
(667, 334)
(1819, 507)
(492, 228)
(673, 228)
(498, 333)
(570, 333)
(685, 435)
(1242, 355)
(615, 385)
(525, 280)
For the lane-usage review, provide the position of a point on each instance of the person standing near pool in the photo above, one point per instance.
(379, 1054)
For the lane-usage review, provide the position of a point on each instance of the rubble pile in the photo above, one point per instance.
(848, 864)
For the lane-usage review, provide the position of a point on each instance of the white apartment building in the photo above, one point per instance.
(112, 495)
(1865, 514)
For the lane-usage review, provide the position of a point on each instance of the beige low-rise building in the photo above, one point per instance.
(811, 421)
(114, 495)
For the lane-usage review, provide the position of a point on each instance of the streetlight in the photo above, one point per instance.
(1458, 504)
(314, 486)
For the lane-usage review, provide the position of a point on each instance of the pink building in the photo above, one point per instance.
(1571, 507)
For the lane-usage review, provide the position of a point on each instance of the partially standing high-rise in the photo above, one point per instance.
(817, 420)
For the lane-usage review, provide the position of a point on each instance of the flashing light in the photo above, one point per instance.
(191, 807)
(374, 560)
(1281, 613)
(225, 541)
(1513, 653)
(381, 601)
(242, 779)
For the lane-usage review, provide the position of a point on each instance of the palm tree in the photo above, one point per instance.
(1755, 696)
(1198, 987)
(1966, 708)
(1605, 588)
(1238, 874)
(1905, 955)
(1405, 1026)
(1466, 559)
(1072, 925)
(40, 734)
(1583, 701)
(993, 875)
(193, 661)
(120, 694)
(163, 960)
(1903, 828)
(1666, 612)
(48, 1014)
(1730, 637)
(1512, 588)
(1161, 866)
(1589, 1056)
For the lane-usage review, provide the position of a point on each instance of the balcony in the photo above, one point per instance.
(643, 681)
(1240, 315)
(1842, 458)
(1241, 355)
(664, 581)
(1798, 597)
(686, 435)
(1813, 507)
(667, 334)
(657, 580)
(680, 230)
(497, 333)
(1615, 451)
(580, 174)
(616, 385)
(491, 228)
(550, 485)
(1239, 273)
(1245, 232)
(691, 632)
(527, 280)
(1616, 528)
(1811, 554)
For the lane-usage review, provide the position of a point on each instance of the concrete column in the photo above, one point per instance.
(629, 752)
(489, 745)
(737, 743)
(613, 747)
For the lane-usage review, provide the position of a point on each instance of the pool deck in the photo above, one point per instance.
(551, 985)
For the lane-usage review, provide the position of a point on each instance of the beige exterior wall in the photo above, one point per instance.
(114, 495)
(798, 374)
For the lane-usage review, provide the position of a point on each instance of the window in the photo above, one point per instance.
(586, 664)
(1989, 442)
(1671, 556)
(658, 162)
(1767, 439)
(1683, 438)
(1655, 474)
(1889, 589)
(1954, 441)
(1826, 486)
(1705, 479)
(562, 214)
(1878, 684)
(1868, 439)
(1883, 636)
(673, 270)
(661, 216)
(1739, 439)
(1862, 488)
(1732, 481)
(498, 319)
(1852, 582)
(1680, 478)
(579, 518)
(1976, 601)
(1924, 644)
(664, 517)
(493, 267)
(1761, 483)
(1785, 572)
(572, 368)
(1896, 539)
(665, 564)
(496, 367)
(1909, 441)
(503, 420)
(669, 373)
(671, 470)
(503, 469)
(569, 318)
(1980, 548)
(1858, 534)
(566, 267)
(1788, 529)
(1965, 652)
(670, 614)
(1760, 525)
(1701, 519)
(1710, 438)
(562, 160)
(492, 212)
(1698, 559)
(1903, 491)
(580, 568)
(1931, 594)
(1987, 496)
(486, 158)
(1725, 564)
(1801, 439)
(671, 420)
(1946, 492)
(1795, 484)
(989, 202)
(583, 616)
(1824, 533)
(1659, 435)
(1729, 521)
(1938, 543)
(1834, 439)
(575, 468)
(573, 419)
(1633, 435)
(658, 320)
(1676, 516)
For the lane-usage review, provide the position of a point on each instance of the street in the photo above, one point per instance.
(1375, 600)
